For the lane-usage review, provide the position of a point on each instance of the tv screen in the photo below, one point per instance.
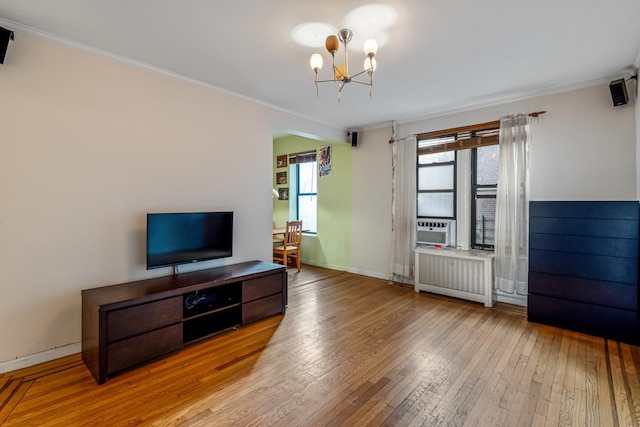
(187, 237)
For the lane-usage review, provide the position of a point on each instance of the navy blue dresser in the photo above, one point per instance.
(583, 267)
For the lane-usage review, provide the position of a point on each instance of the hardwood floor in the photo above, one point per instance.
(352, 350)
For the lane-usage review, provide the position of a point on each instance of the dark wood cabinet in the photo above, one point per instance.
(130, 323)
(583, 267)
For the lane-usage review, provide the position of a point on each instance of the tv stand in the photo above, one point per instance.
(130, 323)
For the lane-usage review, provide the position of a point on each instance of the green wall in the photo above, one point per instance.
(331, 246)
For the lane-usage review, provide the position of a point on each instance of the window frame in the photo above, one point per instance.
(453, 191)
(455, 139)
(299, 194)
(474, 196)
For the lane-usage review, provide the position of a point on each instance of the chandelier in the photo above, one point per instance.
(341, 72)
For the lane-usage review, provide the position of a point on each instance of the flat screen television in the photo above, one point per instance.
(187, 237)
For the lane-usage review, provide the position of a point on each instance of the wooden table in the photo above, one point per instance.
(278, 236)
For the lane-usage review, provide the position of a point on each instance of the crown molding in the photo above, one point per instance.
(71, 44)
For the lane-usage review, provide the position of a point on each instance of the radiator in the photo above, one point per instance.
(455, 273)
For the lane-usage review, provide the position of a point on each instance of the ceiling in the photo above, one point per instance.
(441, 55)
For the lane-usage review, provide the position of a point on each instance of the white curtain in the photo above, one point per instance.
(403, 208)
(512, 207)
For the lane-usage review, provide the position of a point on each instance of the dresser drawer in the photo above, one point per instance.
(261, 287)
(139, 319)
(261, 308)
(130, 352)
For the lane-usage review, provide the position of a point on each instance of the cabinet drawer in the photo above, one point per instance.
(261, 308)
(132, 351)
(261, 287)
(131, 321)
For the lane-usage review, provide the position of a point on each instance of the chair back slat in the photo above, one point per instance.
(293, 233)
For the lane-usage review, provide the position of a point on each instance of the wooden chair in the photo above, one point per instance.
(291, 244)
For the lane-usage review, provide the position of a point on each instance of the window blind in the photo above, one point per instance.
(303, 157)
(462, 138)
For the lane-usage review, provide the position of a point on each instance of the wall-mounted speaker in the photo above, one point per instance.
(619, 94)
(5, 36)
(354, 138)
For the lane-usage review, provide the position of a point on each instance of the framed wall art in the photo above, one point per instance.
(281, 177)
(284, 193)
(281, 161)
(324, 166)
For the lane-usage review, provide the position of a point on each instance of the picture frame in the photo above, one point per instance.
(324, 164)
(283, 193)
(281, 177)
(281, 161)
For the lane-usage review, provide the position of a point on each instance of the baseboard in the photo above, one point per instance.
(514, 299)
(367, 273)
(37, 358)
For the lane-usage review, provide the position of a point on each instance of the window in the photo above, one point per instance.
(307, 195)
(484, 186)
(303, 203)
(436, 185)
(453, 167)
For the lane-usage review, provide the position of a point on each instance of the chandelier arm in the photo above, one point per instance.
(346, 58)
(362, 83)
(362, 72)
(333, 64)
(327, 81)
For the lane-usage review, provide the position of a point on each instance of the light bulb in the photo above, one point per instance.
(370, 47)
(370, 64)
(315, 61)
(341, 72)
(332, 44)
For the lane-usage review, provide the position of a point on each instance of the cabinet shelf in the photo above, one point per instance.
(212, 299)
(206, 325)
(186, 319)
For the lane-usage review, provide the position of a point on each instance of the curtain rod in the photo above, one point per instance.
(478, 126)
(537, 113)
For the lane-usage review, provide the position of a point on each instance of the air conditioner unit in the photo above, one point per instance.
(434, 232)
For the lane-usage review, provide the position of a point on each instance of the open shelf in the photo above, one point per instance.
(203, 326)
(208, 300)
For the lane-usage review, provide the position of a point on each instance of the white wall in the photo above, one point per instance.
(88, 146)
(371, 204)
(637, 92)
(582, 149)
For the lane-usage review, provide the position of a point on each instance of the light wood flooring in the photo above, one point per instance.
(352, 350)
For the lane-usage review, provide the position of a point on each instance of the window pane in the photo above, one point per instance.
(485, 221)
(308, 182)
(447, 156)
(435, 204)
(435, 178)
(307, 212)
(487, 168)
